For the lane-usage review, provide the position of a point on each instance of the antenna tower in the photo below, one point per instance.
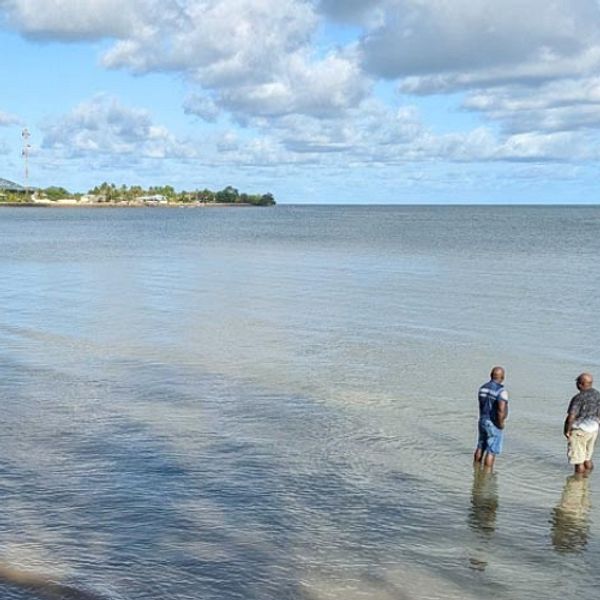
(26, 147)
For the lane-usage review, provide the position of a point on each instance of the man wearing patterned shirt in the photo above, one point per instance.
(493, 410)
(581, 424)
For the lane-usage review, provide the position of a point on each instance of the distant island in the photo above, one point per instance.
(108, 194)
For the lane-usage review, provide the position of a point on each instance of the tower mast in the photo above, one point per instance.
(26, 146)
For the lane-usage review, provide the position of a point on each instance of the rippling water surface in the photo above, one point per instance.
(280, 403)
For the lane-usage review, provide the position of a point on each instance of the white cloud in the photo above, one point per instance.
(371, 132)
(445, 44)
(351, 10)
(257, 63)
(105, 131)
(253, 57)
(74, 20)
(377, 135)
(228, 142)
(220, 42)
(540, 147)
(103, 126)
(202, 106)
(371, 135)
(6, 119)
(324, 88)
(566, 105)
(531, 73)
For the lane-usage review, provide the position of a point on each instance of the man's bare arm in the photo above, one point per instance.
(568, 424)
(502, 413)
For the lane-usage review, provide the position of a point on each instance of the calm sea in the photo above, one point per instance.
(280, 403)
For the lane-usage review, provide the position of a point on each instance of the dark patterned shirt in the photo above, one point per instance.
(585, 405)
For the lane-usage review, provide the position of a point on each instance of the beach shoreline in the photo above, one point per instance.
(126, 205)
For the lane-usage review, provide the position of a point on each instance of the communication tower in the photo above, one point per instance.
(26, 147)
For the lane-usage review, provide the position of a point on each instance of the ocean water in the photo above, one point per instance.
(281, 403)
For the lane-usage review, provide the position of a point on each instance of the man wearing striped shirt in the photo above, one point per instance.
(493, 410)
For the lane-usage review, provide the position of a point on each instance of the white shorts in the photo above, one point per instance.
(580, 446)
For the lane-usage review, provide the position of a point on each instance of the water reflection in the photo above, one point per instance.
(482, 512)
(570, 518)
(484, 502)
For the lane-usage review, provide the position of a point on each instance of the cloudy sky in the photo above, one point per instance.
(346, 101)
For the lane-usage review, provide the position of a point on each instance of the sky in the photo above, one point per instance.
(315, 101)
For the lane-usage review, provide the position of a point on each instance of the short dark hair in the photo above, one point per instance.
(497, 372)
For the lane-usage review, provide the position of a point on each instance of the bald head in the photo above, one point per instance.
(585, 381)
(497, 374)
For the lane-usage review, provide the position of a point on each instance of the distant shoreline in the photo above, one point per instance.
(126, 205)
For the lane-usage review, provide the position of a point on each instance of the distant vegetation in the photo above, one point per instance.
(57, 193)
(110, 193)
(14, 197)
(228, 195)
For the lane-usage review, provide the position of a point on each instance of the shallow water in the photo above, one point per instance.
(280, 403)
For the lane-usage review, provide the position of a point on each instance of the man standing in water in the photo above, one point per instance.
(581, 424)
(493, 410)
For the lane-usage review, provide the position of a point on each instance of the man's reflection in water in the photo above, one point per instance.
(482, 512)
(570, 518)
(484, 502)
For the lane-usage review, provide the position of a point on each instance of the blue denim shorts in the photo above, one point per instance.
(490, 437)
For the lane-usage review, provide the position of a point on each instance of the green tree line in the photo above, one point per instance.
(229, 195)
(109, 192)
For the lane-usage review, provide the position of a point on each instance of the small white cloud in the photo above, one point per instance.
(6, 119)
(228, 142)
(201, 106)
(104, 126)
(351, 10)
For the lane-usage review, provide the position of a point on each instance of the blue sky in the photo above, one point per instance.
(316, 101)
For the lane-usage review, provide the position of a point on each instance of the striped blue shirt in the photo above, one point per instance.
(489, 394)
